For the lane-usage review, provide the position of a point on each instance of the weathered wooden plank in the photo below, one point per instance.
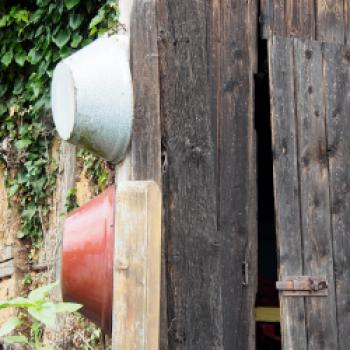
(266, 17)
(138, 265)
(330, 20)
(286, 186)
(279, 18)
(236, 174)
(300, 16)
(337, 87)
(189, 184)
(207, 129)
(314, 192)
(143, 161)
(323, 20)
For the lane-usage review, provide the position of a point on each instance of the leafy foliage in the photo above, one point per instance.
(42, 311)
(34, 36)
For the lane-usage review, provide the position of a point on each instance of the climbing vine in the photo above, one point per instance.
(34, 36)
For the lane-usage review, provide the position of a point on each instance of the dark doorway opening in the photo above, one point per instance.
(268, 336)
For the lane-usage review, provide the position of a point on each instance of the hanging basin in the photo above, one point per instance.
(87, 260)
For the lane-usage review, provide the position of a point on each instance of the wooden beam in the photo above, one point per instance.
(137, 266)
(143, 160)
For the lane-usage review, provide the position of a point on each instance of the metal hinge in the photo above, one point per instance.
(296, 286)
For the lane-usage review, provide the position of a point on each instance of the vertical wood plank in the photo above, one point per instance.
(300, 18)
(266, 17)
(207, 129)
(143, 161)
(314, 191)
(236, 172)
(337, 84)
(279, 18)
(330, 21)
(138, 266)
(286, 186)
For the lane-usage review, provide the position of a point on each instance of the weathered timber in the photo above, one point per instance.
(319, 76)
(143, 161)
(314, 191)
(138, 265)
(326, 21)
(337, 106)
(207, 59)
(286, 184)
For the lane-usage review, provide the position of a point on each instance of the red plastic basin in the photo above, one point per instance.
(87, 260)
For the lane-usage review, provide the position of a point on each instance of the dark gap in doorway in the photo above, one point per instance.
(268, 335)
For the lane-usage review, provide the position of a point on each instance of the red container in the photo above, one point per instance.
(87, 261)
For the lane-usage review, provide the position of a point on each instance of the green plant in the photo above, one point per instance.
(42, 313)
(34, 36)
(97, 170)
(71, 200)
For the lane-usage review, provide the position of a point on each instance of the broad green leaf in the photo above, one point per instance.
(21, 144)
(67, 307)
(76, 40)
(47, 347)
(19, 302)
(97, 19)
(75, 20)
(36, 16)
(71, 3)
(3, 89)
(34, 56)
(41, 293)
(3, 21)
(3, 109)
(21, 339)
(9, 326)
(20, 57)
(46, 314)
(61, 38)
(6, 59)
(28, 214)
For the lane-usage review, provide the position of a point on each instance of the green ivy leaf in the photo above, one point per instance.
(61, 38)
(75, 20)
(9, 326)
(71, 3)
(20, 57)
(76, 40)
(7, 58)
(97, 19)
(21, 144)
(33, 56)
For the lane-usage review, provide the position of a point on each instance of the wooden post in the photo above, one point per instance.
(143, 162)
(137, 266)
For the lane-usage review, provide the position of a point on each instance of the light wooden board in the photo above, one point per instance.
(136, 310)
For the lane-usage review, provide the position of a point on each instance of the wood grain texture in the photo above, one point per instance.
(137, 266)
(337, 85)
(286, 184)
(143, 161)
(314, 192)
(322, 20)
(319, 76)
(206, 67)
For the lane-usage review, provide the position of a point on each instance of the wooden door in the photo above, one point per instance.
(310, 100)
